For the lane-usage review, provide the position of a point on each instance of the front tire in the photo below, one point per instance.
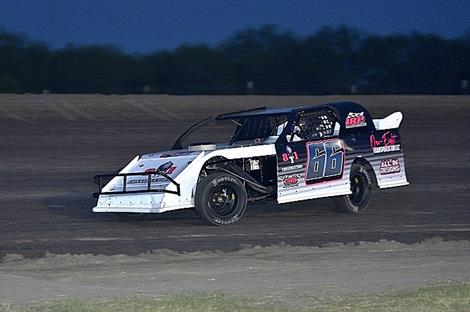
(220, 199)
(361, 191)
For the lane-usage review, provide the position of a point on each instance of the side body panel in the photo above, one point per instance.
(321, 168)
(312, 169)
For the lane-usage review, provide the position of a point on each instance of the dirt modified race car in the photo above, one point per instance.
(289, 154)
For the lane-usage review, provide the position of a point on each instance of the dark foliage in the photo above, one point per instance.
(262, 60)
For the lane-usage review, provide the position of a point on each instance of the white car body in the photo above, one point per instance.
(173, 185)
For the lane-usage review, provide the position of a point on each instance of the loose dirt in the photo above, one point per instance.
(296, 276)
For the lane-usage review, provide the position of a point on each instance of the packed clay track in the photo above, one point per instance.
(53, 145)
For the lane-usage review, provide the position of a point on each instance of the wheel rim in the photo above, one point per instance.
(223, 200)
(358, 188)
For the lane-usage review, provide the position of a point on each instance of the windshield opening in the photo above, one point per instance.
(255, 129)
(212, 131)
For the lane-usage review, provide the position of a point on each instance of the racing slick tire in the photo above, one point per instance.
(220, 199)
(361, 187)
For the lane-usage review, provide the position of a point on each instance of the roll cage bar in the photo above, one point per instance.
(339, 109)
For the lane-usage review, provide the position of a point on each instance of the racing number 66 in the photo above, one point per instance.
(325, 161)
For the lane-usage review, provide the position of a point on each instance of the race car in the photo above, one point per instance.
(288, 154)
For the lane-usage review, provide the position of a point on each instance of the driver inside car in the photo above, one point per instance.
(297, 133)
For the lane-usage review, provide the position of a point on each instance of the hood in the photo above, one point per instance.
(171, 163)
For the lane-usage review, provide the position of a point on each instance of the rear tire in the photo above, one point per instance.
(361, 187)
(220, 199)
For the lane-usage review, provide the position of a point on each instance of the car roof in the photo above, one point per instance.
(259, 111)
(264, 111)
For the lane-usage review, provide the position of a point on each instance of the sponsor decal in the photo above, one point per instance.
(291, 168)
(166, 168)
(142, 181)
(254, 164)
(290, 180)
(355, 120)
(388, 166)
(290, 156)
(386, 143)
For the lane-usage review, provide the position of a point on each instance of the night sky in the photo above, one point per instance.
(144, 25)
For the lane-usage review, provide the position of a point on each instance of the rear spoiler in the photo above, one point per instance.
(98, 179)
(392, 121)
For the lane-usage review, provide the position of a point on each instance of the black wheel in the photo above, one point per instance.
(361, 191)
(220, 199)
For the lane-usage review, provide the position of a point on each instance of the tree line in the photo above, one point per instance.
(264, 60)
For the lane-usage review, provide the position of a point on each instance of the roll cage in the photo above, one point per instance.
(277, 123)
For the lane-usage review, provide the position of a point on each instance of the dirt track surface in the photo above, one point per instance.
(294, 276)
(52, 145)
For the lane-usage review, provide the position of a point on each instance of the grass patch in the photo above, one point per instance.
(180, 303)
(450, 297)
